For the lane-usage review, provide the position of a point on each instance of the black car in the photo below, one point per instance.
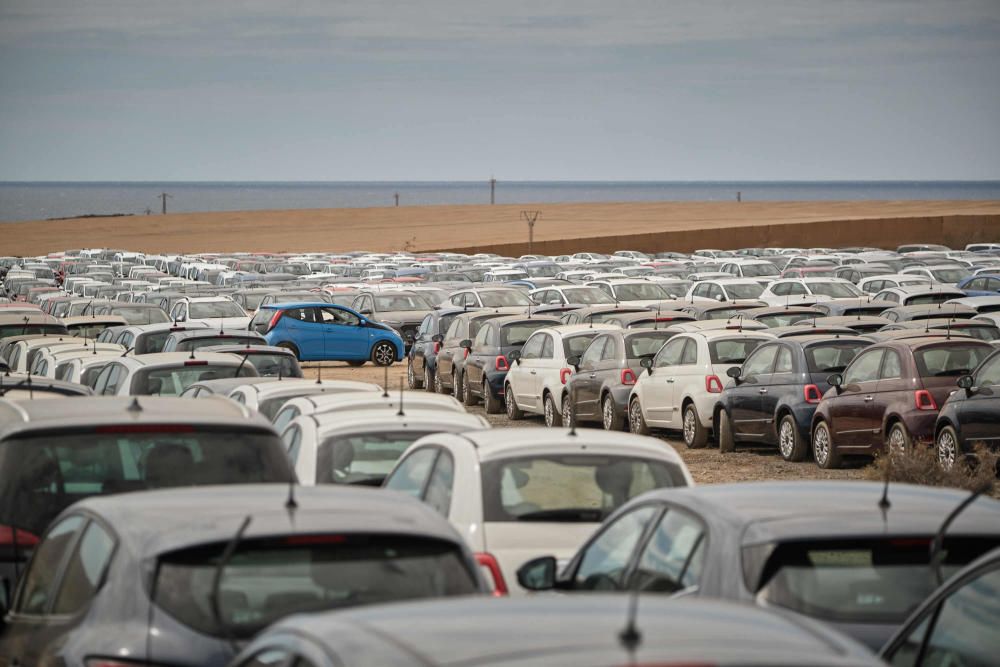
(421, 360)
(971, 414)
(773, 397)
(451, 356)
(605, 375)
(599, 314)
(488, 361)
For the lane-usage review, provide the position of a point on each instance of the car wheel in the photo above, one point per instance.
(430, 382)
(493, 404)
(897, 443)
(513, 412)
(695, 435)
(569, 419)
(411, 376)
(824, 452)
(727, 443)
(291, 348)
(610, 418)
(457, 390)
(383, 354)
(357, 364)
(553, 415)
(947, 447)
(439, 384)
(790, 443)
(636, 422)
(468, 398)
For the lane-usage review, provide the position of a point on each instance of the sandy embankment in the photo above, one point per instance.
(680, 226)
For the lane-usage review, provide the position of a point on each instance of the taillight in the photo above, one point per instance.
(713, 384)
(467, 353)
(196, 362)
(491, 570)
(564, 374)
(501, 363)
(812, 393)
(274, 319)
(924, 400)
(628, 376)
(437, 347)
(24, 538)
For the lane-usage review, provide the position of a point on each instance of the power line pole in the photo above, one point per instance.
(397, 198)
(493, 189)
(530, 217)
(163, 196)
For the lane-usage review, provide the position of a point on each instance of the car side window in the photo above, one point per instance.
(548, 348)
(864, 368)
(481, 339)
(593, 352)
(293, 441)
(760, 362)
(439, 487)
(689, 355)
(47, 562)
(425, 326)
(610, 351)
(337, 316)
(85, 570)
(533, 348)
(784, 362)
(670, 354)
(795, 289)
(892, 366)
(673, 558)
(456, 329)
(781, 289)
(605, 560)
(411, 474)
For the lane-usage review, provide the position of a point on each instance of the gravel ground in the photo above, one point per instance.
(707, 466)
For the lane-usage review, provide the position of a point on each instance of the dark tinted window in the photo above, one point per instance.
(40, 580)
(364, 458)
(832, 357)
(517, 333)
(172, 381)
(85, 570)
(672, 559)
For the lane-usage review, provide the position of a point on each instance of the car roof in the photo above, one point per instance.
(302, 304)
(212, 332)
(514, 319)
(178, 358)
(160, 521)
(380, 420)
(292, 385)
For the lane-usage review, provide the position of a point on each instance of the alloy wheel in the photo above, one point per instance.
(689, 426)
(384, 355)
(567, 412)
(897, 441)
(786, 439)
(549, 413)
(411, 377)
(608, 413)
(947, 449)
(821, 445)
(635, 417)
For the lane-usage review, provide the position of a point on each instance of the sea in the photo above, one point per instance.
(46, 200)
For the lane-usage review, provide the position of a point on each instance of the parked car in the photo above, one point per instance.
(322, 331)
(352, 401)
(196, 339)
(888, 397)
(489, 297)
(16, 386)
(798, 291)
(268, 398)
(772, 397)
(980, 329)
(780, 316)
(451, 356)
(421, 359)
(919, 295)
(146, 338)
(598, 314)
(213, 311)
(827, 551)
(92, 326)
(569, 293)
(166, 373)
(726, 290)
(970, 415)
(495, 487)
(877, 283)
(847, 307)
(21, 324)
(269, 361)
(402, 311)
(862, 324)
(133, 313)
(927, 311)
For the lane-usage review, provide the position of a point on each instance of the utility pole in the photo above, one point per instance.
(397, 199)
(530, 217)
(739, 196)
(493, 190)
(163, 196)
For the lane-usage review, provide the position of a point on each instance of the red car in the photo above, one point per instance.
(889, 396)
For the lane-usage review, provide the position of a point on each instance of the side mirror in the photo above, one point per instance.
(514, 356)
(647, 363)
(466, 344)
(720, 298)
(967, 382)
(538, 574)
(437, 338)
(735, 372)
(836, 380)
(574, 361)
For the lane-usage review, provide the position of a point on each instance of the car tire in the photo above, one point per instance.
(513, 412)
(948, 447)
(457, 390)
(636, 422)
(291, 348)
(727, 441)
(791, 445)
(412, 381)
(492, 404)
(357, 364)
(429, 379)
(439, 385)
(569, 417)
(824, 452)
(553, 413)
(383, 354)
(695, 435)
(610, 419)
(897, 440)
(468, 398)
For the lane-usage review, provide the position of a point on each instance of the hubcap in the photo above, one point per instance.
(509, 400)
(635, 415)
(456, 387)
(609, 414)
(567, 413)
(821, 445)
(947, 450)
(897, 444)
(548, 412)
(383, 355)
(410, 375)
(689, 426)
(786, 439)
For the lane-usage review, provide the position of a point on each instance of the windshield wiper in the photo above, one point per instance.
(567, 514)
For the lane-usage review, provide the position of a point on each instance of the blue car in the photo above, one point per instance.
(323, 331)
(981, 285)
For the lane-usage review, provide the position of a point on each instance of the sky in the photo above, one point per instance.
(326, 90)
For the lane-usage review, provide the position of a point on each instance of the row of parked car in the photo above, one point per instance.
(281, 522)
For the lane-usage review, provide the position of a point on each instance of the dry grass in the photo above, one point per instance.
(920, 466)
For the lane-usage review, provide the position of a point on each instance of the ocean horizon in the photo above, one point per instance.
(37, 200)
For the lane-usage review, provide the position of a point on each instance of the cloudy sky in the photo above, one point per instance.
(553, 89)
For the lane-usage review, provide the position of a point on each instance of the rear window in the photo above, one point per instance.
(210, 309)
(185, 345)
(498, 299)
(721, 313)
(365, 458)
(987, 333)
(732, 350)
(275, 365)
(950, 360)
(936, 297)
(518, 332)
(136, 316)
(40, 476)
(571, 488)
(832, 357)
(173, 381)
(859, 581)
(785, 319)
(645, 345)
(744, 290)
(24, 330)
(835, 290)
(266, 580)
(577, 345)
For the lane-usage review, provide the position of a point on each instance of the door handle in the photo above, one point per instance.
(534, 372)
(670, 380)
(869, 399)
(762, 391)
(592, 376)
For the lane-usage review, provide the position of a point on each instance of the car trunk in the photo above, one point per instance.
(513, 543)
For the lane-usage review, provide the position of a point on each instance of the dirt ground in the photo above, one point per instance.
(707, 466)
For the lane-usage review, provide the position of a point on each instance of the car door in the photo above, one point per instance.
(891, 384)
(585, 383)
(604, 563)
(746, 398)
(344, 336)
(851, 408)
(523, 374)
(689, 378)
(608, 368)
(485, 349)
(783, 381)
(673, 556)
(979, 413)
(658, 386)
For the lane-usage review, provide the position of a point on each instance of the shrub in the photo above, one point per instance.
(919, 465)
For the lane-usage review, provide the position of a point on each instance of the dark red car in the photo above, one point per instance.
(889, 396)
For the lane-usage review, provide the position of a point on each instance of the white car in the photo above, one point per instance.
(563, 294)
(875, 284)
(167, 373)
(683, 381)
(947, 274)
(268, 398)
(516, 493)
(982, 304)
(631, 291)
(213, 311)
(725, 289)
(351, 401)
(536, 381)
(808, 290)
(21, 356)
(760, 270)
(333, 448)
(69, 364)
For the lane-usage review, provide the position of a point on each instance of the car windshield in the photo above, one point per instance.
(860, 581)
(569, 488)
(743, 290)
(586, 295)
(137, 316)
(502, 298)
(265, 580)
(835, 290)
(757, 270)
(647, 344)
(639, 292)
(517, 333)
(950, 275)
(8, 330)
(42, 475)
(364, 458)
(207, 309)
(832, 357)
(392, 302)
(732, 350)
(785, 319)
(543, 270)
(950, 360)
(172, 381)
(932, 298)
(577, 345)
(982, 332)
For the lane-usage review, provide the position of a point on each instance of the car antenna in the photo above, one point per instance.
(385, 382)
(630, 636)
(227, 554)
(319, 372)
(192, 354)
(125, 352)
(400, 413)
(938, 542)
(883, 503)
